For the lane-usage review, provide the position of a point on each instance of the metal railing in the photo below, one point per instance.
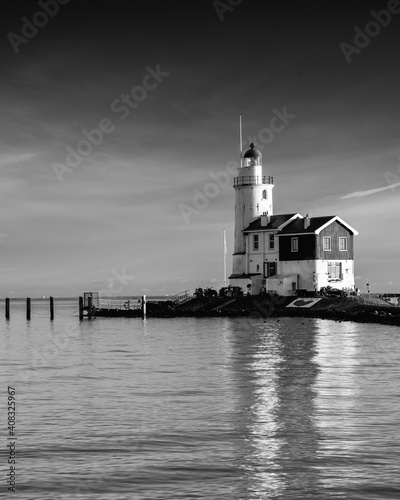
(252, 180)
(182, 296)
(132, 303)
(119, 304)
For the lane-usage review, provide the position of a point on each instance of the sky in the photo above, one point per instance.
(114, 117)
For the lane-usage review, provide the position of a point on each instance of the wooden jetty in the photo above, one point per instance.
(129, 307)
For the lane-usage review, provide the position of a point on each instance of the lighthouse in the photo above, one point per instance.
(253, 198)
(285, 254)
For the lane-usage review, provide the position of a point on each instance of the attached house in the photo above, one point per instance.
(286, 253)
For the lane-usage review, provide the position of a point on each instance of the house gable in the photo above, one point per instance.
(324, 238)
(336, 218)
(339, 249)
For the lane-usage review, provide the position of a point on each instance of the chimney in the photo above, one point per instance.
(306, 221)
(265, 219)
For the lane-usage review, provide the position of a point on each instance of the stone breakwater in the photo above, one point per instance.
(336, 309)
(332, 308)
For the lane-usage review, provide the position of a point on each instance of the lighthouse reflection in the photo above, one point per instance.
(277, 371)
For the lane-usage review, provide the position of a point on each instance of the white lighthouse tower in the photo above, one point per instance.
(253, 198)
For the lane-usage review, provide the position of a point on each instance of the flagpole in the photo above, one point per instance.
(225, 250)
(241, 140)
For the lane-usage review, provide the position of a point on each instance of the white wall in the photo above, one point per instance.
(347, 272)
(282, 286)
(238, 264)
(264, 254)
(303, 268)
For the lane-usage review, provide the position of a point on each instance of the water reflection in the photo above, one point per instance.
(263, 428)
(276, 372)
(338, 395)
(297, 373)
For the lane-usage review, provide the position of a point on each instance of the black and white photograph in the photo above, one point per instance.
(199, 250)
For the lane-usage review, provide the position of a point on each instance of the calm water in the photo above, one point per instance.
(200, 408)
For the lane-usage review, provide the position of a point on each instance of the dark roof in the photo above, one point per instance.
(252, 152)
(297, 226)
(244, 276)
(274, 223)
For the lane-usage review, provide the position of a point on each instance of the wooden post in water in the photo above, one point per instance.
(7, 308)
(90, 307)
(80, 308)
(143, 306)
(51, 308)
(28, 309)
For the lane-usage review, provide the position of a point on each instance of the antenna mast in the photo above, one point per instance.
(241, 141)
(225, 252)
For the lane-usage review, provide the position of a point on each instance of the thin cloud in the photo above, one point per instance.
(359, 194)
(9, 159)
(10, 186)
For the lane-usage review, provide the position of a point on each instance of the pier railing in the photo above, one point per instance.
(119, 304)
(132, 303)
(182, 296)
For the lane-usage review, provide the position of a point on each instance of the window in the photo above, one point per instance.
(264, 194)
(271, 241)
(326, 243)
(342, 243)
(255, 241)
(251, 162)
(258, 267)
(335, 271)
(295, 244)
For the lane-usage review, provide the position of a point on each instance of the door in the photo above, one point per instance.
(269, 269)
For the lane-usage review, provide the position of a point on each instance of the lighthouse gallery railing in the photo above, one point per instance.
(250, 180)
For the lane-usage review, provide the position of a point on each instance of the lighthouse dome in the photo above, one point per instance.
(252, 152)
